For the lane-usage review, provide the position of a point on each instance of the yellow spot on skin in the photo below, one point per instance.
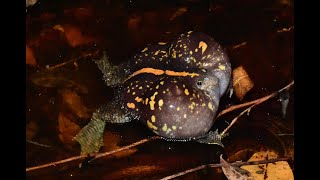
(157, 52)
(138, 99)
(210, 106)
(178, 108)
(128, 91)
(204, 104)
(133, 93)
(180, 55)
(185, 115)
(153, 96)
(131, 105)
(162, 43)
(190, 52)
(152, 105)
(196, 50)
(157, 87)
(160, 103)
(174, 127)
(189, 32)
(163, 92)
(186, 91)
(222, 67)
(147, 101)
(162, 82)
(164, 128)
(151, 126)
(153, 118)
(203, 46)
(174, 54)
(140, 87)
(183, 85)
(144, 50)
(180, 127)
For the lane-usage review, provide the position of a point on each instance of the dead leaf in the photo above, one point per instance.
(178, 13)
(272, 171)
(233, 172)
(30, 57)
(75, 36)
(30, 2)
(241, 82)
(111, 142)
(73, 101)
(134, 171)
(67, 128)
(134, 22)
(58, 28)
(31, 129)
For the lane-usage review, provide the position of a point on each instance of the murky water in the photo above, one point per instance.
(256, 34)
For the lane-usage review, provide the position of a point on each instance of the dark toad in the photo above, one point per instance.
(173, 88)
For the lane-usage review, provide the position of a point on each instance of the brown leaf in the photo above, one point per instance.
(75, 36)
(241, 82)
(180, 11)
(134, 171)
(67, 128)
(111, 142)
(232, 172)
(31, 129)
(73, 101)
(30, 57)
(279, 170)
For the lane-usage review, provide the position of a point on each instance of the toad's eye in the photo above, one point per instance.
(199, 83)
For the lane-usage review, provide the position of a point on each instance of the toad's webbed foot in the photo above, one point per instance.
(112, 75)
(91, 136)
(212, 138)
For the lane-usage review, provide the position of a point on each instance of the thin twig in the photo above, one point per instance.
(125, 147)
(36, 143)
(98, 155)
(238, 106)
(238, 163)
(255, 104)
(72, 60)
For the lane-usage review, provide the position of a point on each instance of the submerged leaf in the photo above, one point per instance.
(279, 170)
(241, 82)
(31, 129)
(111, 142)
(67, 129)
(130, 172)
(74, 103)
(234, 172)
(180, 11)
(30, 59)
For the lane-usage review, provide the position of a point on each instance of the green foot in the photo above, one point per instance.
(212, 138)
(91, 136)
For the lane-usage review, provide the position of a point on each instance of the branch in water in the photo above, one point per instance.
(96, 156)
(252, 103)
(238, 163)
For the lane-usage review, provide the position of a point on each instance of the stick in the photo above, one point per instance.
(238, 163)
(98, 155)
(258, 101)
(234, 107)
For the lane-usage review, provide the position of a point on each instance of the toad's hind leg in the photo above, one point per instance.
(90, 137)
